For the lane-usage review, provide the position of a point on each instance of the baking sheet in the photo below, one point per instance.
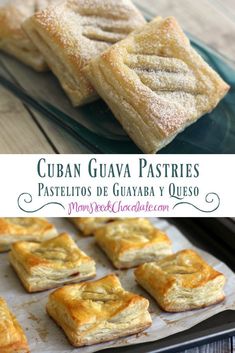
(45, 336)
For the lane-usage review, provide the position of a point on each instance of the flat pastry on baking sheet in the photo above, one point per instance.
(13, 39)
(50, 264)
(132, 241)
(12, 337)
(88, 225)
(98, 311)
(71, 34)
(28, 229)
(155, 83)
(180, 282)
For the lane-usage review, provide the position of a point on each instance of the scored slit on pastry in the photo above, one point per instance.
(13, 39)
(155, 83)
(51, 264)
(182, 281)
(71, 34)
(12, 336)
(98, 311)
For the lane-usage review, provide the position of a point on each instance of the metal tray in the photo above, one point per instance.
(213, 329)
(223, 231)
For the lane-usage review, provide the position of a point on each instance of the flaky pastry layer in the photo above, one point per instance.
(50, 264)
(182, 281)
(98, 311)
(88, 225)
(71, 34)
(24, 229)
(13, 39)
(12, 337)
(132, 241)
(155, 83)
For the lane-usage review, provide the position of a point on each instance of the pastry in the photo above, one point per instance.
(13, 39)
(12, 337)
(133, 241)
(98, 311)
(155, 83)
(28, 229)
(87, 225)
(180, 282)
(71, 34)
(50, 264)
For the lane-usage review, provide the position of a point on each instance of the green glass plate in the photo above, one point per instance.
(95, 126)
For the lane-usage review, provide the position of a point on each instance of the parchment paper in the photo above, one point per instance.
(45, 336)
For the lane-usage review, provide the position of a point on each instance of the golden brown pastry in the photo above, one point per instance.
(98, 311)
(132, 241)
(12, 337)
(13, 39)
(180, 282)
(87, 225)
(50, 264)
(155, 83)
(29, 229)
(71, 34)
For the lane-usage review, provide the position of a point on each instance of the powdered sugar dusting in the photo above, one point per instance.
(156, 84)
(175, 85)
(90, 27)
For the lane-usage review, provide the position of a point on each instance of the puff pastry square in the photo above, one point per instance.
(12, 337)
(155, 83)
(87, 225)
(13, 39)
(98, 311)
(71, 34)
(28, 229)
(50, 264)
(180, 282)
(133, 241)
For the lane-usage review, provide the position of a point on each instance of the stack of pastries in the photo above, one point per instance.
(102, 310)
(149, 75)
